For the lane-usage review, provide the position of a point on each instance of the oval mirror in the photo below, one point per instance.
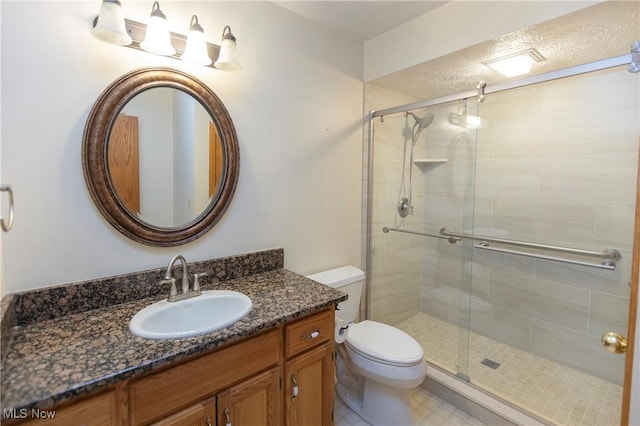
(160, 156)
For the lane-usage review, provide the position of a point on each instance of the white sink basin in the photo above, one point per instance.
(212, 310)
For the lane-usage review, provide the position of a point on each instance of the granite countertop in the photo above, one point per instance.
(51, 361)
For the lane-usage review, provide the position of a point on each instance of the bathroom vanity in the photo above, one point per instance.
(275, 366)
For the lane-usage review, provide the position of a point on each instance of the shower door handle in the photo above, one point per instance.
(614, 342)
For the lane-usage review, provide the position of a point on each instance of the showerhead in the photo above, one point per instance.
(425, 121)
(422, 123)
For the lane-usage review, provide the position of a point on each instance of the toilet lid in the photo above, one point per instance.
(384, 343)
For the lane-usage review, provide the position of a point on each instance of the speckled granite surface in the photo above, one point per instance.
(63, 300)
(7, 322)
(53, 360)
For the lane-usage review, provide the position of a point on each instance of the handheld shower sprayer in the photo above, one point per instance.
(421, 123)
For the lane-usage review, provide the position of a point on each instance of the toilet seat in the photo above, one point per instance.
(384, 344)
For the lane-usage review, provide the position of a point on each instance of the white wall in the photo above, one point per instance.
(297, 107)
(454, 26)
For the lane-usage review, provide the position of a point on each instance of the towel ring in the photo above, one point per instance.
(6, 226)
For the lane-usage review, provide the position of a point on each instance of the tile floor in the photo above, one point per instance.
(428, 409)
(556, 393)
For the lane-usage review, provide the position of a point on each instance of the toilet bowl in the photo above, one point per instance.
(377, 363)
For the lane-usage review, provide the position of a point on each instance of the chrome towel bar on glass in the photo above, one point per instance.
(452, 240)
(609, 256)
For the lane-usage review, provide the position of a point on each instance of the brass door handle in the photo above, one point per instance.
(614, 342)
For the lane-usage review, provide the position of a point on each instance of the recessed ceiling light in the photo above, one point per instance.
(515, 64)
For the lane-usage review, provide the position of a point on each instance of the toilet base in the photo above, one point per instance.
(380, 405)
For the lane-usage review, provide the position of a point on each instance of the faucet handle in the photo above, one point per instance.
(196, 282)
(173, 291)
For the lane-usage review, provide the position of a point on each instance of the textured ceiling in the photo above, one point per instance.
(360, 20)
(597, 32)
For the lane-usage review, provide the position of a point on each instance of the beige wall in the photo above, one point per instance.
(296, 105)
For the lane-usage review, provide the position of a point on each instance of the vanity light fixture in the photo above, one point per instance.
(228, 58)
(157, 39)
(195, 51)
(112, 28)
(109, 25)
(515, 64)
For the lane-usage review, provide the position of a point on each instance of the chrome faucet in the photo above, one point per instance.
(185, 275)
(170, 279)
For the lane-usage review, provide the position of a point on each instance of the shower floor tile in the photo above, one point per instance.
(428, 410)
(556, 393)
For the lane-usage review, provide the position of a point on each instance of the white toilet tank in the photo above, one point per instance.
(348, 279)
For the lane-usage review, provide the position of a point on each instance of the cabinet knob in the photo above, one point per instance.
(209, 422)
(294, 393)
(313, 335)
(226, 416)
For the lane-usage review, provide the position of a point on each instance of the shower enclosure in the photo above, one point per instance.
(500, 236)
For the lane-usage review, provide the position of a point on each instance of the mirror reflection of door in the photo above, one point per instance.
(124, 161)
(165, 157)
(215, 159)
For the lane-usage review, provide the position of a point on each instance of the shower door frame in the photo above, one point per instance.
(482, 89)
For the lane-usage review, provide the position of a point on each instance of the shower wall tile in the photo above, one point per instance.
(506, 262)
(445, 272)
(591, 182)
(613, 225)
(577, 350)
(439, 302)
(523, 177)
(556, 303)
(604, 281)
(397, 308)
(546, 219)
(396, 275)
(499, 324)
(520, 150)
(608, 313)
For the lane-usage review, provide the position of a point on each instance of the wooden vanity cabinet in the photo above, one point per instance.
(296, 390)
(253, 402)
(100, 410)
(309, 370)
(283, 376)
(200, 414)
(309, 387)
(159, 395)
(256, 401)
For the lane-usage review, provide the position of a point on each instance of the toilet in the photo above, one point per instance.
(376, 363)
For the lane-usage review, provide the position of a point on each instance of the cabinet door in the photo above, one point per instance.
(255, 401)
(309, 387)
(201, 414)
(99, 410)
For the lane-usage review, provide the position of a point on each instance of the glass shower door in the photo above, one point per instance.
(557, 165)
(419, 281)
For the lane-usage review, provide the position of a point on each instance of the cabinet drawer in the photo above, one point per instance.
(308, 332)
(163, 393)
